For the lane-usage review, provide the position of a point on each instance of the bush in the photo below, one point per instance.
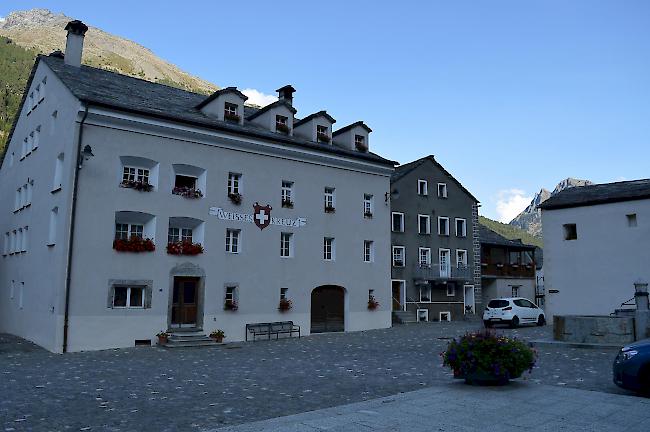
(486, 354)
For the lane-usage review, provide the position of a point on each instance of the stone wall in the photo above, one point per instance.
(593, 329)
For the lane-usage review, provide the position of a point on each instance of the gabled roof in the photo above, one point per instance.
(353, 125)
(218, 93)
(102, 88)
(403, 170)
(488, 237)
(314, 115)
(271, 106)
(599, 194)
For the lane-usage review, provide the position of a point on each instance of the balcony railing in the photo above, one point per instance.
(508, 270)
(435, 271)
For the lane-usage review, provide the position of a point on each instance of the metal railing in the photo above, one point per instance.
(437, 271)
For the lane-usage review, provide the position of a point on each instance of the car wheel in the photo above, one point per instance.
(515, 322)
(541, 321)
(487, 324)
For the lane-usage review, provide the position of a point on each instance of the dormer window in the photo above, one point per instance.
(230, 112)
(322, 134)
(360, 143)
(282, 124)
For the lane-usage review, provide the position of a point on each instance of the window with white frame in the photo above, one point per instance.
(515, 290)
(19, 240)
(442, 190)
(128, 297)
(423, 315)
(360, 142)
(283, 293)
(23, 149)
(367, 205)
(13, 248)
(234, 183)
(425, 257)
(54, 216)
(18, 199)
(177, 235)
(21, 295)
(368, 251)
(451, 290)
(231, 294)
(461, 258)
(424, 224)
(12, 290)
(230, 111)
(444, 316)
(443, 225)
(328, 249)
(29, 190)
(232, 240)
(286, 245)
(124, 231)
(25, 242)
(425, 293)
(399, 253)
(287, 194)
(423, 187)
(397, 223)
(36, 137)
(132, 174)
(329, 199)
(281, 123)
(322, 133)
(31, 104)
(631, 220)
(461, 227)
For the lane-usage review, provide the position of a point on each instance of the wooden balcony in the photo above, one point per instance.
(496, 270)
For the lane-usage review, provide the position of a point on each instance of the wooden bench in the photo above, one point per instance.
(274, 328)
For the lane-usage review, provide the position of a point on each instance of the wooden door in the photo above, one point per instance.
(184, 302)
(397, 296)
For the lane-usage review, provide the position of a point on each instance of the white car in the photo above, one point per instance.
(513, 311)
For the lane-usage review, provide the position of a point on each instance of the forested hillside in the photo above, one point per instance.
(511, 232)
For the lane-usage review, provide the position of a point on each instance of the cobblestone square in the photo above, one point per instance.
(194, 389)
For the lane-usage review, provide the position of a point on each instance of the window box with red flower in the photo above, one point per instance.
(235, 198)
(134, 244)
(372, 303)
(367, 215)
(287, 203)
(231, 117)
(281, 127)
(230, 305)
(184, 248)
(285, 305)
(187, 192)
(330, 209)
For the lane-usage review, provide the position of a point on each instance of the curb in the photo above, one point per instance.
(575, 344)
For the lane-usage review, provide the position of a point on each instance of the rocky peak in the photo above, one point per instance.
(30, 18)
(569, 183)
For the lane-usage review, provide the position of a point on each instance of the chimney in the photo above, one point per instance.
(75, 42)
(286, 93)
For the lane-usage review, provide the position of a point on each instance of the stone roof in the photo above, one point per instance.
(350, 126)
(599, 194)
(489, 237)
(314, 115)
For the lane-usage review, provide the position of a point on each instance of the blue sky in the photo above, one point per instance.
(509, 95)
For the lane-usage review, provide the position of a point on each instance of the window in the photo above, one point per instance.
(126, 231)
(134, 174)
(25, 242)
(286, 245)
(371, 294)
(424, 224)
(12, 290)
(19, 240)
(36, 137)
(328, 249)
(423, 187)
(287, 193)
(31, 102)
(445, 316)
(29, 187)
(398, 256)
(461, 227)
(423, 315)
(232, 240)
(58, 173)
(23, 149)
(51, 238)
(231, 294)
(42, 93)
(283, 293)
(5, 247)
(451, 290)
(442, 190)
(425, 257)
(570, 232)
(13, 248)
(397, 222)
(21, 295)
(360, 142)
(515, 290)
(234, 183)
(631, 220)
(461, 258)
(128, 297)
(443, 225)
(281, 124)
(367, 205)
(368, 251)
(330, 199)
(176, 235)
(18, 199)
(322, 134)
(230, 111)
(425, 293)
(184, 181)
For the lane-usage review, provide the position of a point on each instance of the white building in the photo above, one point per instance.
(595, 246)
(244, 207)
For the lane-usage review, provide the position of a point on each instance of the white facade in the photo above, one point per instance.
(34, 275)
(594, 273)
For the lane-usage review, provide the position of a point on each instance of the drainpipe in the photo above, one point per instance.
(71, 236)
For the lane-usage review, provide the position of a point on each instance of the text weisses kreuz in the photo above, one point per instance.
(243, 217)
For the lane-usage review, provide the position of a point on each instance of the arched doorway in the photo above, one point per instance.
(328, 309)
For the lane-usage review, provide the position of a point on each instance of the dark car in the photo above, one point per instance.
(632, 367)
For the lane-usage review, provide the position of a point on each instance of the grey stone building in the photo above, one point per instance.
(141, 207)
(435, 247)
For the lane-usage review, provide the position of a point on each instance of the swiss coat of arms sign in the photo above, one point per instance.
(262, 215)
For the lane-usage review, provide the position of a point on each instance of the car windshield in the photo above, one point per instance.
(498, 303)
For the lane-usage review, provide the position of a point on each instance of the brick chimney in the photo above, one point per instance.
(75, 42)
(286, 93)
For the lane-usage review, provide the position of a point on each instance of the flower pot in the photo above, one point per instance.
(162, 340)
(217, 339)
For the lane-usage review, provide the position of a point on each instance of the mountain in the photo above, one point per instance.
(530, 220)
(24, 34)
(511, 232)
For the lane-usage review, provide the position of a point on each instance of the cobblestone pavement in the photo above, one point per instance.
(194, 389)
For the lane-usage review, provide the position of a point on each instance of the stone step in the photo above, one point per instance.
(183, 337)
(191, 344)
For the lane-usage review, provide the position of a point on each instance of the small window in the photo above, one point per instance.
(443, 226)
(515, 291)
(13, 248)
(21, 295)
(231, 294)
(12, 290)
(178, 235)
(461, 258)
(54, 215)
(631, 220)
(442, 190)
(282, 124)
(330, 200)
(424, 224)
(368, 251)
(234, 184)
(183, 181)
(451, 290)
(283, 293)
(58, 173)
(423, 187)
(461, 227)
(570, 232)
(286, 245)
(322, 134)
(230, 112)
(128, 297)
(445, 316)
(328, 249)
(425, 257)
(423, 315)
(232, 240)
(287, 194)
(367, 206)
(360, 143)
(135, 175)
(398, 256)
(397, 222)
(425, 293)
(5, 247)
